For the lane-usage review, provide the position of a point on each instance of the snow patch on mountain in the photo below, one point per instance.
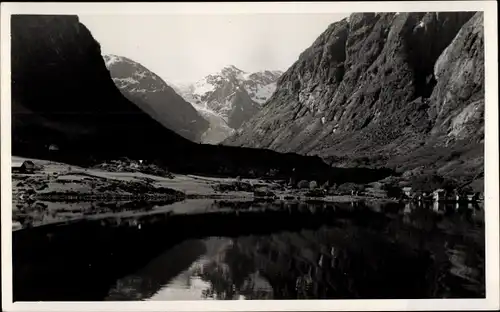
(229, 97)
(202, 87)
(111, 59)
(138, 75)
(125, 82)
(259, 85)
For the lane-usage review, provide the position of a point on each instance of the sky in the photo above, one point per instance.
(185, 48)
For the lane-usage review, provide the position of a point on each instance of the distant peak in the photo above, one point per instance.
(232, 67)
(231, 71)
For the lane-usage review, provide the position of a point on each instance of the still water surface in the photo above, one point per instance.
(367, 251)
(418, 252)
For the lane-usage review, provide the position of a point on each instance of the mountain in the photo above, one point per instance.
(63, 94)
(402, 90)
(233, 95)
(154, 96)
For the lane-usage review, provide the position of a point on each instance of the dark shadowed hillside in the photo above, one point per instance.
(155, 97)
(62, 94)
(404, 90)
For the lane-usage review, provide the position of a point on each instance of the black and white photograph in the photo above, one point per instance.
(189, 153)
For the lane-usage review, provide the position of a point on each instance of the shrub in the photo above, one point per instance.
(467, 190)
(432, 182)
(347, 188)
(313, 185)
(272, 173)
(303, 184)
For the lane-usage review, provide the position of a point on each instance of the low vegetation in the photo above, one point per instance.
(128, 165)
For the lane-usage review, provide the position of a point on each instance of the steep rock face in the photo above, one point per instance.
(455, 144)
(233, 94)
(458, 97)
(373, 86)
(63, 94)
(154, 96)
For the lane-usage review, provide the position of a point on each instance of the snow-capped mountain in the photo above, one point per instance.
(155, 97)
(231, 94)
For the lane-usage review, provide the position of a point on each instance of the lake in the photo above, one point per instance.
(257, 250)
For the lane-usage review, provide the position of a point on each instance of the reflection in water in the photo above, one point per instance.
(219, 271)
(144, 283)
(36, 213)
(346, 251)
(420, 255)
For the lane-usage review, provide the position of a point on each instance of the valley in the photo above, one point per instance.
(163, 125)
(355, 173)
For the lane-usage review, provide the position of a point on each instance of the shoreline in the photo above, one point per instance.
(58, 192)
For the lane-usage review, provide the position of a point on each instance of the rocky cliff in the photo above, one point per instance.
(146, 89)
(404, 90)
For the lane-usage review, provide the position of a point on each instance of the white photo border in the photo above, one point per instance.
(491, 302)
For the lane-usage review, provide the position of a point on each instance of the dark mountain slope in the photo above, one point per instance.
(372, 88)
(154, 96)
(63, 94)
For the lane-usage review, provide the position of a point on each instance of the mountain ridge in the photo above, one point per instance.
(156, 97)
(372, 86)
